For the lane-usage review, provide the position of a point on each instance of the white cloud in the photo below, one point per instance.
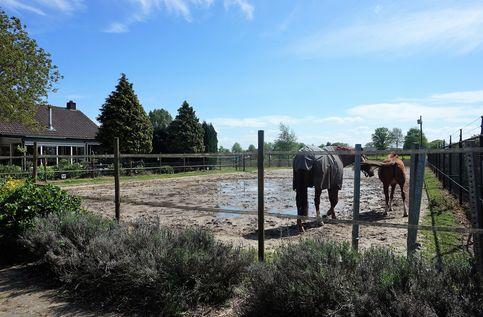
(16, 5)
(246, 7)
(183, 8)
(42, 7)
(116, 28)
(459, 97)
(455, 30)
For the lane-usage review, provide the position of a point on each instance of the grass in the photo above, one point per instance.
(144, 177)
(442, 209)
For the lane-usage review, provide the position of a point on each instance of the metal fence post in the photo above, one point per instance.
(35, 162)
(415, 200)
(117, 191)
(261, 206)
(450, 168)
(475, 207)
(357, 193)
(460, 168)
(443, 168)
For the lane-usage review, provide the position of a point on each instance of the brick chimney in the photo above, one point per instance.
(71, 105)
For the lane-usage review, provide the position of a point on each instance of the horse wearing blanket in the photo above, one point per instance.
(322, 171)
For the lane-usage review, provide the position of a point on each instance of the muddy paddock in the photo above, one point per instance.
(153, 200)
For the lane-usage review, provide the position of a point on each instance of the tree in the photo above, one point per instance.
(435, 144)
(381, 138)
(267, 147)
(397, 136)
(160, 119)
(223, 150)
(210, 138)
(27, 74)
(286, 141)
(369, 145)
(252, 148)
(123, 116)
(413, 137)
(236, 148)
(185, 133)
(334, 144)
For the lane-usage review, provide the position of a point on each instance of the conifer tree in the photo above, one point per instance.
(123, 116)
(185, 133)
(210, 139)
(160, 119)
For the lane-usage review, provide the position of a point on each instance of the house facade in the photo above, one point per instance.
(61, 131)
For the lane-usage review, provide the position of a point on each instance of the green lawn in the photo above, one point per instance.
(109, 179)
(442, 209)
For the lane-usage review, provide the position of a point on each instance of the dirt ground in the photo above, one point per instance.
(154, 200)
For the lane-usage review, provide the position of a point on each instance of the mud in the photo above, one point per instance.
(239, 191)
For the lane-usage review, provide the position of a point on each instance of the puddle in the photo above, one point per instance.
(238, 194)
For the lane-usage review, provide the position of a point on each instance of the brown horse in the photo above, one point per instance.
(322, 172)
(391, 173)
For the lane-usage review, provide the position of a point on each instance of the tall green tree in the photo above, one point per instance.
(252, 148)
(381, 138)
(397, 136)
(435, 144)
(27, 74)
(160, 119)
(210, 138)
(223, 150)
(236, 148)
(123, 116)
(413, 137)
(286, 141)
(185, 133)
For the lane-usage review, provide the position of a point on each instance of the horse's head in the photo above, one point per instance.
(348, 159)
(367, 169)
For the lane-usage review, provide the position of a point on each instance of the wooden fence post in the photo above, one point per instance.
(357, 196)
(35, 162)
(443, 168)
(475, 207)
(261, 202)
(117, 190)
(416, 193)
(244, 163)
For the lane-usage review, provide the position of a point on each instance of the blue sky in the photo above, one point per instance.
(332, 70)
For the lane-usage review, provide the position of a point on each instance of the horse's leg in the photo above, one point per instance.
(318, 192)
(393, 187)
(301, 199)
(334, 199)
(386, 195)
(403, 196)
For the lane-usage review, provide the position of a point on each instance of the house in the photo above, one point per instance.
(61, 131)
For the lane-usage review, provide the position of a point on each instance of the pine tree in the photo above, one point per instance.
(123, 116)
(185, 133)
(160, 119)
(210, 139)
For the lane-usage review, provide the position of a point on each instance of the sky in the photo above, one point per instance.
(332, 70)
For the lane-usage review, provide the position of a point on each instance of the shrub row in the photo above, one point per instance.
(141, 268)
(314, 278)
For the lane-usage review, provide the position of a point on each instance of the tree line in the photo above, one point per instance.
(123, 116)
(383, 139)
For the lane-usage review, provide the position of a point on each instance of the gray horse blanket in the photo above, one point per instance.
(325, 170)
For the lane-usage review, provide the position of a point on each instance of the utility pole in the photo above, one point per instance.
(420, 122)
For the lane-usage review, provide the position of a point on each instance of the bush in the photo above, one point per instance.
(20, 206)
(13, 171)
(166, 169)
(314, 278)
(72, 170)
(143, 268)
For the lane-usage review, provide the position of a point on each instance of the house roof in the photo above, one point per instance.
(67, 123)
